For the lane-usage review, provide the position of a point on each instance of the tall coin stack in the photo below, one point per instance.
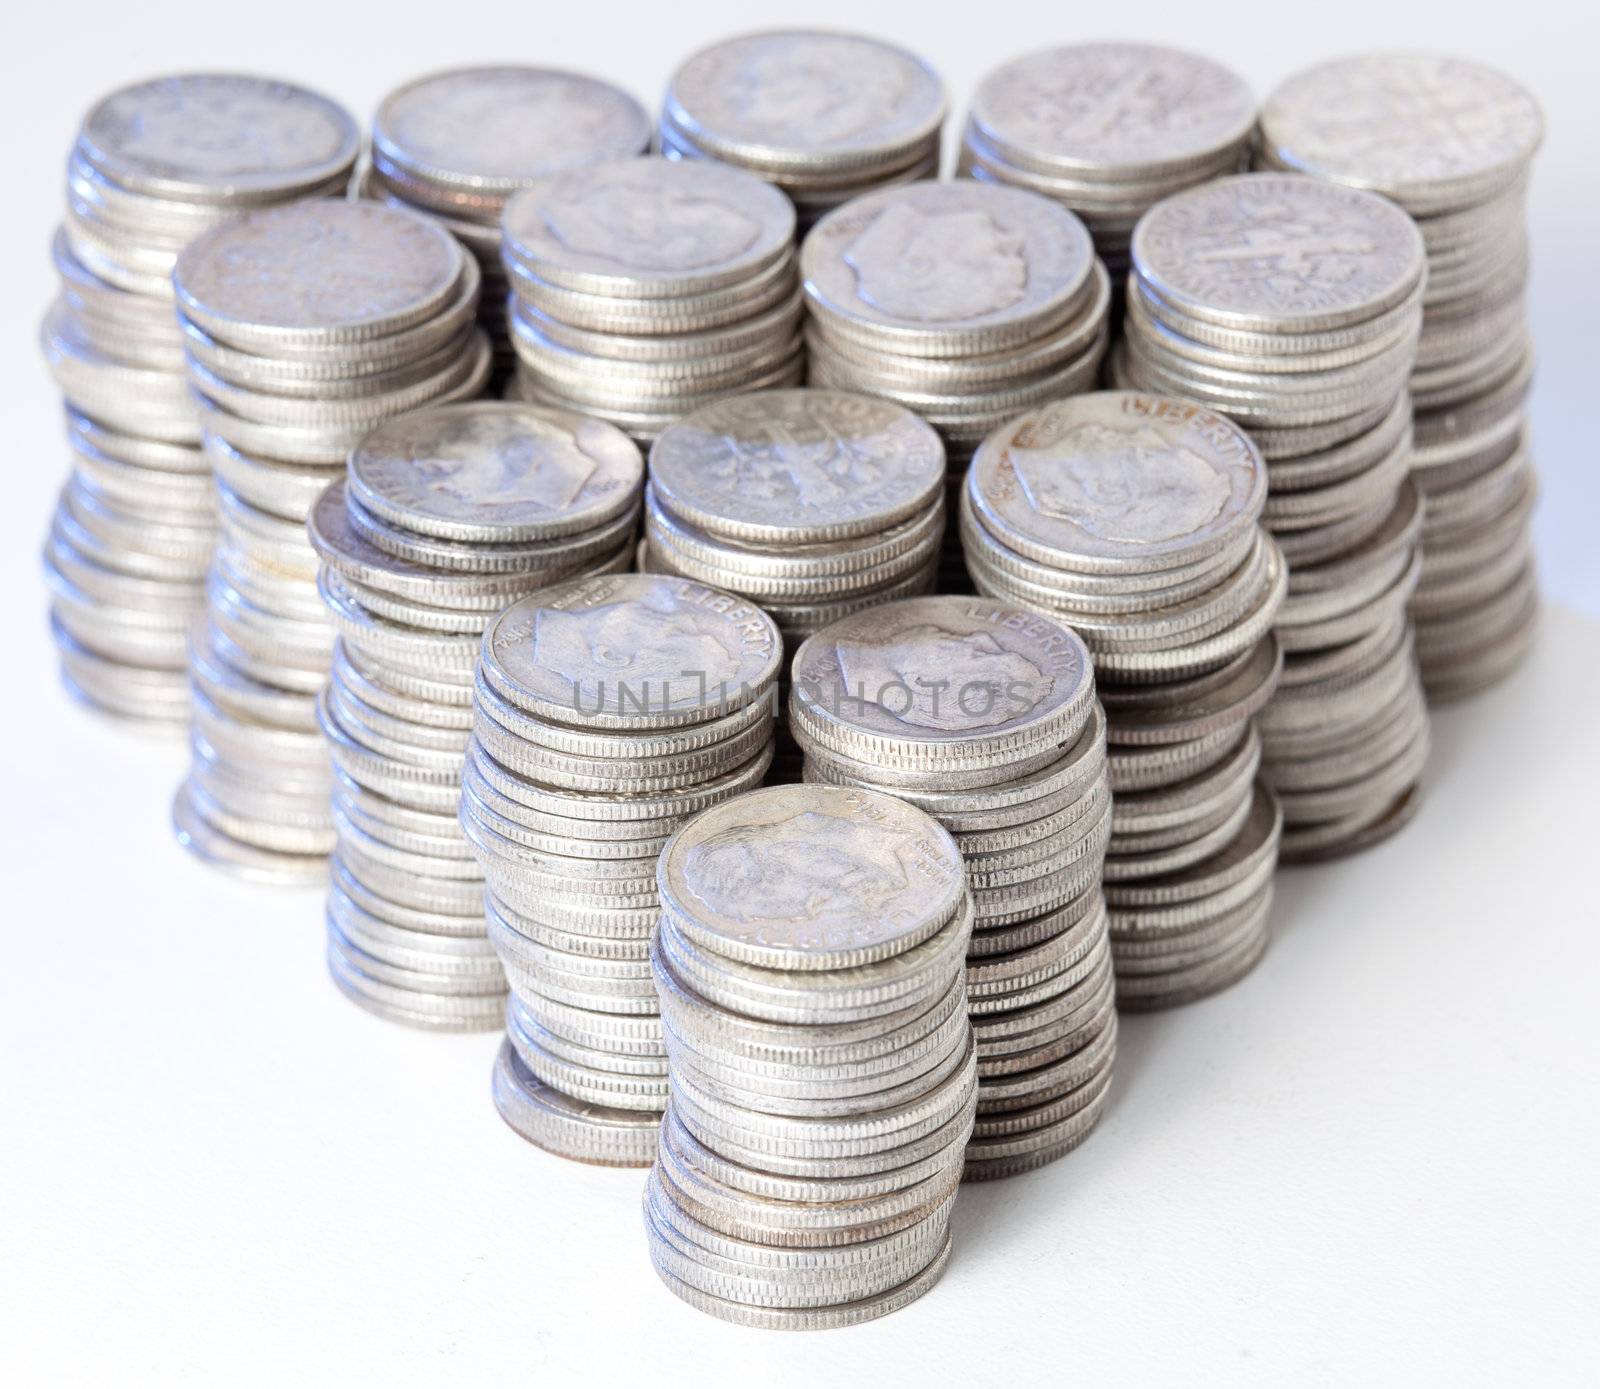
(823, 116)
(642, 289)
(606, 711)
(457, 145)
(1453, 144)
(132, 536)
(1135, 520)
(984, 715)
(820, 1066)
(448, 515)
(1108, 130)
(1293, 307)
(305, 326)
(964, 302)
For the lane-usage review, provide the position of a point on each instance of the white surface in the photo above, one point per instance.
(1373, 1160)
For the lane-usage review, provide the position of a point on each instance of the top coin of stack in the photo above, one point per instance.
(153, 165)
(1294, 306)
(1136, 520)
(1452, 142)
(459, 144)
(821, 1072)
(644, 288)
(305, 326)
(823, 116)
(1108, 130)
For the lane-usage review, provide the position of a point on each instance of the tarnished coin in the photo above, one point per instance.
(811, 877)
(647, 228)
(218, 138)
(1279, 251)
(929, 269)
(631, 651)
(802, 466)
(1138, 110)
(474, 136)
(496, 472)
(791, 100)
(1117, 481)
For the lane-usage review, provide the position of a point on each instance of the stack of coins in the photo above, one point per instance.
(813, 503)
(1135, 520)
(129, 545)
(1452, 143)
(448, 515)
(305, 326)
(961, 301)
(457, 145)
(821, 1070)
(606, 711)
(643, 289)
(1108, 129)
(984, 715)
(823, 116)
(1294, 307)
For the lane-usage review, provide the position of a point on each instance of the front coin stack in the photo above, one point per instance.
(821, 1070)
(812, 503)
(448, 515)
(1135, 520)
(1108, 130)
(645, 288)
(823, 116)
(1293, 306)
(128, 548)
(1452, 143)
(458, 145)
(305, 327)
(605, 712)
(984, 715)
(964, 302)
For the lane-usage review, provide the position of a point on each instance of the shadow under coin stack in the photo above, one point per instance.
(646, 288)
(132, 536)
(1314, 364)
(1134, 519)
(814, 504)
(1108, 130)
(1452, 143)
(448, 515)
(305, 326)
(964, 302)
(823, 116)
(984, 715)
(606, 711)
(458, 145)
(820, 1064)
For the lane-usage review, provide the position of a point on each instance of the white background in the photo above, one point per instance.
(1376, 1159)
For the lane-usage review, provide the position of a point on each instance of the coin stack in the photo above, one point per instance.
(1108, 130)
(1293, 306)
(813, 503)
(824, 116)
(1453, 143)
(1135, 520)
(457, 145)
(645, 288)
(305, 326)
(448, 515)
(983, 714)
(821, 1070)
(606, 711)
(131, 538)
(964, 302)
